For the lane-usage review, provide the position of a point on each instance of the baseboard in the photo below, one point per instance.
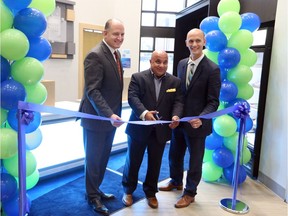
(272, 185)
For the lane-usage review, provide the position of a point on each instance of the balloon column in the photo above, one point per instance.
(22, 50)
(228, 41)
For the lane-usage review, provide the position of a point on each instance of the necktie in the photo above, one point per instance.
(118, 64)
(190, 73)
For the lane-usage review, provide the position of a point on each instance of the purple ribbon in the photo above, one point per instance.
(25, 111)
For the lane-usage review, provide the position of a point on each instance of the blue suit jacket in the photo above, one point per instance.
(142, 96)
(103, 88)
(202, 95)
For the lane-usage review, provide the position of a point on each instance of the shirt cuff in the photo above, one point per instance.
(142, 116)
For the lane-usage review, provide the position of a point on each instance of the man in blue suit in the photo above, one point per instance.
(102, 97)
(153, 94)
(200, 84)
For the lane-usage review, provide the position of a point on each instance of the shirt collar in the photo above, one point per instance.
(155, 77)
(197, 61)
(110, 48)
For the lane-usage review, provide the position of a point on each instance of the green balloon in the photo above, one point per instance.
(3, 116)
(228, 5)
(248, 57)
(241, 74)
(208, 155)
(241, 40)
(211, 172)
(14, 44)
(245, 156)
(245, 91)
(230, 22)
(36, 93)
(213, 56)
(31, 180)
(231, 142)
(47, 7)
(8, 143)
(6, 17)
(28, 71)
(11, 164)
(225, 125)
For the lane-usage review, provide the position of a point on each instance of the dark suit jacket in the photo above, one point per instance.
(142, 96)
(202, 95)
(103, 88)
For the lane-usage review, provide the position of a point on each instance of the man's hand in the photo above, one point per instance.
(116, 123)
(150, 116)
(175, 122)
(195, 123)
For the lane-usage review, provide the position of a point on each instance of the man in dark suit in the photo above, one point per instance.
(201, 95)
(152, 94)
(102, 97)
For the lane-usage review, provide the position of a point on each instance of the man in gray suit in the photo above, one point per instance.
(200, 84)
(102, 97)
(153, 94)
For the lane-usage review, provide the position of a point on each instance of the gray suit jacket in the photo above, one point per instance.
(142, 96)
(103, 88)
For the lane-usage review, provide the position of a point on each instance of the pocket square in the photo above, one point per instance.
(171, 90)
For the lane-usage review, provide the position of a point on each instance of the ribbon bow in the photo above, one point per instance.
(242, 111)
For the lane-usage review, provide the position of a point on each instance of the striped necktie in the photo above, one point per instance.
(118, 64)
(190, 73)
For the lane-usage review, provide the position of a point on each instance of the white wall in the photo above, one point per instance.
(273, 162)
(95, 12)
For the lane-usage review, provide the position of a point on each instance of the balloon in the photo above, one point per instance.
(209, 23)
(47, 7)
(223, 157)
(245, 156)
(207, 155)
(245, 91)
(3, 116)
(228, 174)
(33, 139)
(230, 22)
(14, 44)
(5, 69)
(30, 127)
(213, 141)
(225, 125)
(40, 48)
(228, 5)
(248, 124)
(248, 57)
(210, 171)
(228, 58)
(215, 40)
(17, 5)
(11, 164)
(36, 93)
(31, 22)
(11, 208)
(241, 74)
(228, 91)
(8, 187)
(11, 92)
(241, 40)
(231, 142)
(6, 17)
(31, 180)
(28, 71)
(250, 21)
(9, 143)
(223, 73)
(238, 101)
(213, 56)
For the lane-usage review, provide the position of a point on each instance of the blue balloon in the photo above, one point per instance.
(209, 24)
(223, 74)
(30, 125)
(213, 141)
(216, 40)
(238, 101)
(11, 208)
(228, 91)
(8, 187)
(11, 92)
(250, 21)
(228, 58)
(16, 6)
(248, 124)
(31, 22)
(5, 69)
(40, 48)
(223, 157)
(228, 174)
